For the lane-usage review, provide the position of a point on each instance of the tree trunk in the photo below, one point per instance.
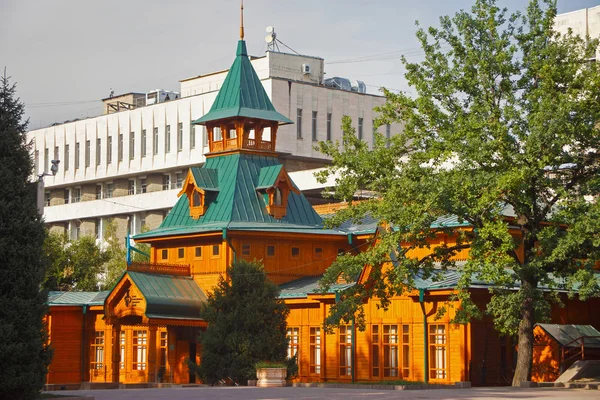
(525, 350)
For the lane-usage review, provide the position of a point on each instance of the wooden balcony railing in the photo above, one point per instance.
(157, 268)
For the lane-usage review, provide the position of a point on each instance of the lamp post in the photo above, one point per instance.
(40, 185)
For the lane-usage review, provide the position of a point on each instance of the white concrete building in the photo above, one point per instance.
(129, 163)
(584, 22)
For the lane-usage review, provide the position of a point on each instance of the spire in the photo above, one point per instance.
(241, 19)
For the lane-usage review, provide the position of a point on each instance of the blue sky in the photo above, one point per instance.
(65, 55)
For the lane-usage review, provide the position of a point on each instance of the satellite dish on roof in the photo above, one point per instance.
(269, 38)
(270, 29)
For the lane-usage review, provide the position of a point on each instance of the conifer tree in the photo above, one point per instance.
(246, 324)
(24, 356)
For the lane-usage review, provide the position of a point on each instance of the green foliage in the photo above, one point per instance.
(73, 265)
(116, 263)
(24, 356)
(501, 131)
(246, 324)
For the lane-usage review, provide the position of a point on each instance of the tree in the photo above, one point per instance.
(502, 133)
(24, 355)
(115, 265)
(246, 324)
(73, 265)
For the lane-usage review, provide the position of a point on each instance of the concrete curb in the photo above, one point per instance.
(379, 386)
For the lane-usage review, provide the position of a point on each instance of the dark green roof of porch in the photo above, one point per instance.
(242, 94)
(206, 178)
(169, 296)
(238, 204)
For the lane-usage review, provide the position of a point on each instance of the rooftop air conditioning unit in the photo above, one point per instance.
(305, 69)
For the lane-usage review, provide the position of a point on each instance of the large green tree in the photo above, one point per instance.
(24, 356)
(73, 265)
(501, 131)
(116, 262)
(246, 324)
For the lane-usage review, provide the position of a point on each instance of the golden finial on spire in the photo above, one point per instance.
(242, 20)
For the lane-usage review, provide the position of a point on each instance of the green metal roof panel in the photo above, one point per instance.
(301, 288)
(168, 295)
(242, 94)
(206, 178)
(568, 334)
(56, 298)
(267, 176)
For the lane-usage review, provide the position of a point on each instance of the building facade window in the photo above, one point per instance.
(437, 352)
(168, 139)
(328, 126)
(120, 148)
(164, 254)
(143, 185)
(46, 160)
(131, 145)
(76, 195)
(56, 152)
(360, 128)
(293, 334)
(345, 341)
(97, 351)
(98, 192)
(166, 182)
(143, 144)
(66, 196)
(181, 253)
(198, 252)
(98, 228)
(295, 252)
(155, 141)
(180, 136)
(245, 249)
(47, 199)
(140, 348)
(390, 351)
(77, 154)
(131, 186)
(315, 350)
(178, 180)
(109, 150)
(192, 135)
(109, 190)
(216, 249)
(314, 126)
(98, 151)
(163, 350)
(67, 157)
(271, 251)
(88, 149)
(299, 123)
(37, 162)
(122, 339)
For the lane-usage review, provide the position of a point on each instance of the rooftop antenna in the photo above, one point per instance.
(271, 39)
(241, 19)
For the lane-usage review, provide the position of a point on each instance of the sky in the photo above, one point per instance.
(66, 55)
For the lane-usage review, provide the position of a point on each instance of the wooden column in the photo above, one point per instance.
(115, 352)
(152, 361)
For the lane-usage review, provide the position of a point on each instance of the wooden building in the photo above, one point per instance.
(241, 204)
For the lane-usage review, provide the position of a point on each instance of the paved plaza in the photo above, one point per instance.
(253, 393)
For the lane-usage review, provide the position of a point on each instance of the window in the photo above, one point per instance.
(120, 148)
(46, 160)
(198, 252)
(328, 126)
(166, 182)
(98, 151)
(164, 345)
(192, 135)
(77, 154)
(140, 342)
(164, 254)
(299, 123)
(181, 253)
(155, 141)
(293, 334)
(37, 162)
(131, 145)
(270, 251)
(315, 350)
(217, 133)
(437, 351)
(143, 144)
(180, 136)
(109, 150)
(168, 139)
(109, 190)
(390, 351)
(76, 195)
(56, 152)
(88, 148)
(314, 126)
(131, 187)
(47, 198)
(318, 253)
(122, 349)
(178, 180)
(345, 350)
(98, 228)
(98, 192)
(360, 129)
(75, 230)
(295, 251)
(277, 198)
(204, 136)
(245, 249)
(67, 147)
(97, 352)
(66, 196)
(143, 185)
(216, 249)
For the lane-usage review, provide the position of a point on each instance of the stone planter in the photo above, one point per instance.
(271, 377)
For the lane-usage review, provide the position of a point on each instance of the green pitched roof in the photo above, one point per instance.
(267, 176)
(237, 204)
(169, 296)
(206, 179)
(242, 94)
(76, 298)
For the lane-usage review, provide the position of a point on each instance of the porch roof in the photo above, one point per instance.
(302, 287)
(566, 334)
